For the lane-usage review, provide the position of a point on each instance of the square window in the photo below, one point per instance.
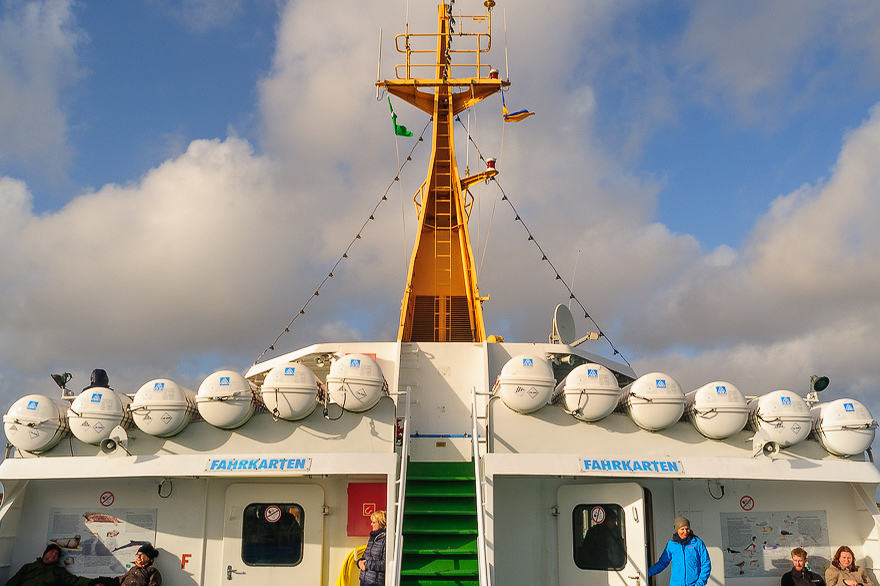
(599, 537)
(272, 534)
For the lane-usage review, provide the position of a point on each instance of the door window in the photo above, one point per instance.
(599, 536)
(272, 534)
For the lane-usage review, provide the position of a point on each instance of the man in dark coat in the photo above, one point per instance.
(799, 574)
(47, 571)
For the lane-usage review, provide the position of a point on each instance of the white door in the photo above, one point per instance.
(602, 535)
(273, 534)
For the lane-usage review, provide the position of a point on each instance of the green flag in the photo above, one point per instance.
(398, 129)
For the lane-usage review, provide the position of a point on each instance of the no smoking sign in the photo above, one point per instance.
(273, 513)
(747, 503)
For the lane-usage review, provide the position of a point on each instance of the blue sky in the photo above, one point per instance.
(176, 177)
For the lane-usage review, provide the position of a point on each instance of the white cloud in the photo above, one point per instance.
(202, 15)
(765, 61)
(38, 61)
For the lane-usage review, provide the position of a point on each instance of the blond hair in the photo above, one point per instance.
(380, 518)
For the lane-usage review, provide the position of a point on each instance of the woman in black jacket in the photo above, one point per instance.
(142, 573)
(372, 563)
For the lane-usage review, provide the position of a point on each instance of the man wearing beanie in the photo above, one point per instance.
(688, 555)
(47, 571)
(142, 573)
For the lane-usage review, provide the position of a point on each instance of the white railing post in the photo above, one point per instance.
(401, 492)
(481, 525)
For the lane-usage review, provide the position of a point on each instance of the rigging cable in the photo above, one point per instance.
(571, 295)
(344, 256)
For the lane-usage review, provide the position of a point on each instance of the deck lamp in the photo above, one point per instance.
(817, 385)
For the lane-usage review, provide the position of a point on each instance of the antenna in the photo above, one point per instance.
(379, 64)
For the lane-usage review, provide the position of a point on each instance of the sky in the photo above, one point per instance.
(177, 177)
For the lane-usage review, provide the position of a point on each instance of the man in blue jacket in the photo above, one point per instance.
(689, 557)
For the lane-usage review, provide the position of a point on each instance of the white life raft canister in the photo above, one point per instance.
(782, 415)
(654, 401)
(355, 382)
(96, 411)
(290, 391)
(36, 423)
(718, 409)
(844, 427)
(526, 383)
(589, 392)
(226, 400)
(163, 408)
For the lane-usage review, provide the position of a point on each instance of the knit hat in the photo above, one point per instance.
(681, 522)
(149, 551)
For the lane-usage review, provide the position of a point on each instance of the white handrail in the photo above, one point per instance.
(401, 491)
(481, 530)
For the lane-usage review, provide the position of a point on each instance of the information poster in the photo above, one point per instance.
(758, 545)
(101, 543)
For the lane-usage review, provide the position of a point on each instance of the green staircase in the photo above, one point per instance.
(440, 525)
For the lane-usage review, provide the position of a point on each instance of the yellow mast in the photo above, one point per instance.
(441, 302)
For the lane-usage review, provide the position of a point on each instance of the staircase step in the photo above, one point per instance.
(445, 506)
(416, 581)
(441, 566)
(439, 544)
(440, 470)
(432, 524)
(454, 488)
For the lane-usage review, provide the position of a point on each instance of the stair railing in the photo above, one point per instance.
(482, 559)
(401, 491)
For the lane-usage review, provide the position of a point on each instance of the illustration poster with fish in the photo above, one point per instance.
(101, 543)
(758, 545)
